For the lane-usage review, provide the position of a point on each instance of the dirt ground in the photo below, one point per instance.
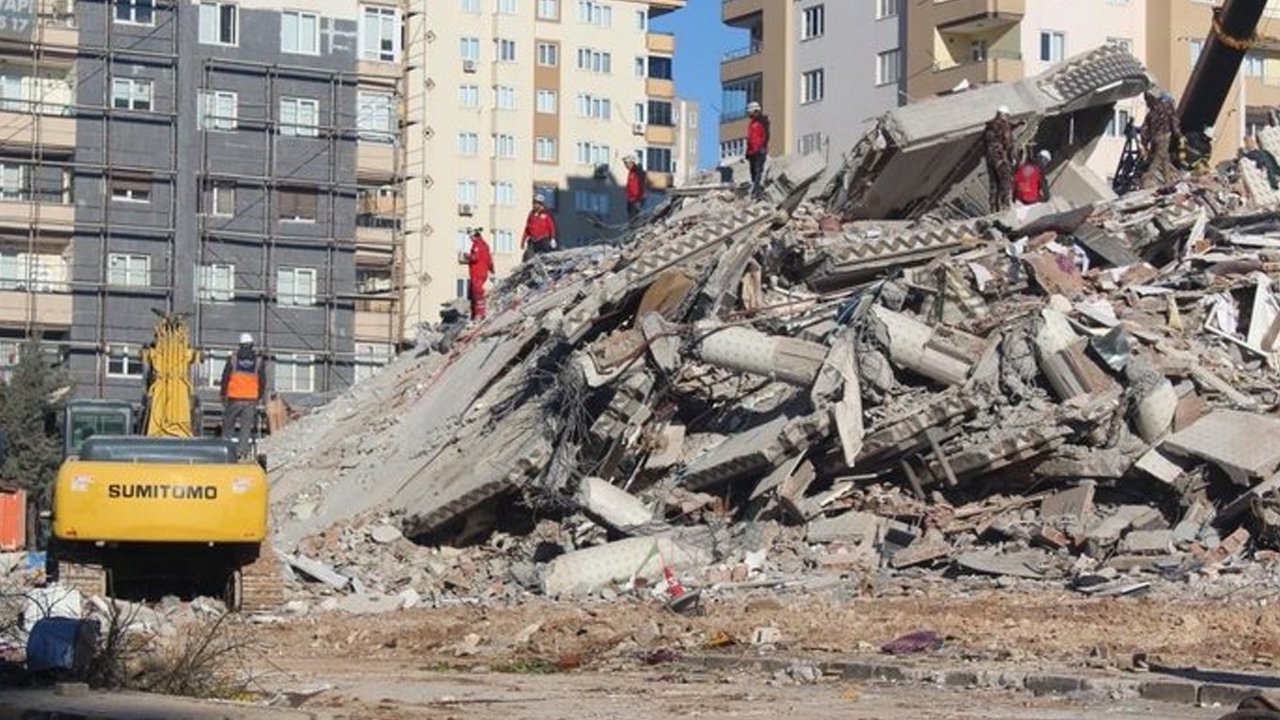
(546, 659)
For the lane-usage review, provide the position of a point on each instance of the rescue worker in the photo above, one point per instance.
(243, 379)
(479, 262)
(998, 146)
(539, 230)
(1031, 181)
(1263, 159)
(635, 187)
(1159, 133)
(757, 145)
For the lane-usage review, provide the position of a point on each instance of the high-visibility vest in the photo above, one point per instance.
(245, 382)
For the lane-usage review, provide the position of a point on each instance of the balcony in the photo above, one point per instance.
(18, 307)
(972, 16)
(376, 161)
(47, 217)
(733, 12)
(377, 325)
(656, 88)
(659, 134)
(378, 70)
(755, 47)
(379, 239)
(660, 43)
(659, 180)
(996, 68)
(48, 131)
(56, 25)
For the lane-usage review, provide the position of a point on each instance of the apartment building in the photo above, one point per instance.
(508, 98)
(234, 161)
(819, 68)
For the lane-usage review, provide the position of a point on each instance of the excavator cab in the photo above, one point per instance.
(83, 419)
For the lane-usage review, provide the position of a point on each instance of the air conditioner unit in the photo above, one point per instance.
(468, 66)
(466, 210)
(637, 128)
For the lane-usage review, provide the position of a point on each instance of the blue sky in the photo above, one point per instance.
(701, 39)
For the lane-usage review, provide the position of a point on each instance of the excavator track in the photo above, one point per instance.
(260, 584)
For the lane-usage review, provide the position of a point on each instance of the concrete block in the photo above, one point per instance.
(1213, 695)
(1072, 508)
(751, 351)
(1148, 542)
(1182, 693)
(1245, 445)
(612, 506)
(317, 570)
(1054, 684)
(582, 572)
(1108, 531)
(854, 528)
(750, 451)
(912, 347)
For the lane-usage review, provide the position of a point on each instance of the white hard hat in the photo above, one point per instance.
(1208, 132)
(246, 339)
(1003, 110)
(753, 106)
(1044, 155)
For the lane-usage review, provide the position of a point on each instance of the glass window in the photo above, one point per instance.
(814, 22)
(299, 32)
(504, 194)
(813, 86)
(545, 149)
(13, 181)
(370, 358)
(216, 110)
(295, 373)
(220, 199)
(592, 12)
(504, 97)
(127, 270)
(548, 9)
(506, 50)
(128, 189)
(219, 23)
(295, 286)
(296, 205)
(504, 146)
(380, 33)
(888, 67)
(130, 94)
(376, 116)
(468, 193)
(547, 101)
(658, 160)
(469, 96)
(886, 9)
(217, 283)
(136, 12)
(661, 113)
(548, 54)
(469, 47)
(471, 7)
(468, 144)
(299, 117)
(505, 7)
(504, 241)
(124, 361)
(1053, 46)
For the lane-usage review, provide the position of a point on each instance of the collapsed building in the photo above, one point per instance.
(867, 371)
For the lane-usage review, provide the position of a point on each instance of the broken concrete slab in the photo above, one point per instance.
(583, 572)
(317, 570)
(1072, 509)
(750, 351)
(912, 345)
(1148, 542)
(853, 528)
(612, 506)
(1244, 445)
(1026, 564)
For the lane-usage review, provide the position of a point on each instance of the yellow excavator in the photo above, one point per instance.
(163, 511)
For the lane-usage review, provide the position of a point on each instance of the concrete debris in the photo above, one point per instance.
(872, 376)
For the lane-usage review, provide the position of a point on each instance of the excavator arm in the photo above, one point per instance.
(169, 411)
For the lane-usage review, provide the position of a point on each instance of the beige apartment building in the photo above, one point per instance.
(508, 98)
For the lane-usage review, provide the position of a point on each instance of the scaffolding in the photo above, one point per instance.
(346, 310)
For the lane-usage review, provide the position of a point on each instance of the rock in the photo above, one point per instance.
(409, 598)
(384, 534)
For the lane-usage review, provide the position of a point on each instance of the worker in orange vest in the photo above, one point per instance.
(243, 379)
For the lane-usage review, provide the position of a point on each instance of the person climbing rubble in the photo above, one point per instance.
(539, 230)
(1159, 132)
(479, 262)
(243, 380)
(998, 146)
(635, 187)
(1031, 181)
(758, 132)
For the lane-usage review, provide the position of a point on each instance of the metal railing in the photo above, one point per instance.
(755, 48)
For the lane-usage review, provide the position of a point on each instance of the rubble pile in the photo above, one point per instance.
(1082, 391)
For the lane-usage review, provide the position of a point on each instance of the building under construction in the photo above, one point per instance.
(238, 162)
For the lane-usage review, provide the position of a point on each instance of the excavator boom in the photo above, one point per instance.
(169, 392)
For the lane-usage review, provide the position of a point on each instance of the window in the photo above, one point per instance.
(220, 199)
(639, 111)
(591, 202)
(380, 33)
(134, 190)
(128, 270)
(462, 240)
(732, 149)
(369, 359)
(136, 12)
(595, 13)
(548, 54)
(296, 205)
(548, 9)
(505, 7)
(217, 110)
(211, 368)
(299, 117)
(504, 97)
(1119, 121)
(642, 20)
(1053, 46)
(549, 193)
(814, 22)
(661, 113)
(506, 50)
(469, 96)
(469, 48)
(810, 143)
(547, 102)
(469, 6)
(13, 181)
(504, 146)
(130, 94)
(217, 283)
(593, 154)
(468, 193)
(504, 241)
(218, 23)
(658, 160)
(376, 116)
(299, 32)
(295, 373)
(1253, 65)
(468, 144)
(124, 361)
(813, 86)
(595, 107)
(888, 64)
(642, 67)
(660, 68)
(295, 286)
(595, 60)
(504, 194)
(545, 149)
(13, 94)
(886, 9)
(461, 286)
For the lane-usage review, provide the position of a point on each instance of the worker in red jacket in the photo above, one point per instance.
(635, 187)
(1030, 183)
(539, 230)
(479, 262)
(757, 144)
